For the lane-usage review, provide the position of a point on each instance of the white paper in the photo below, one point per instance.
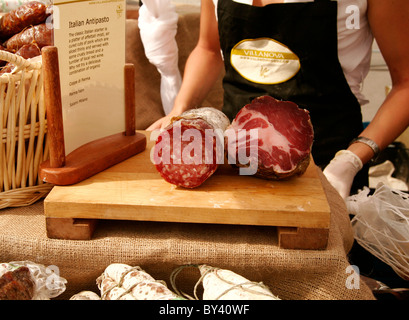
(90, 38)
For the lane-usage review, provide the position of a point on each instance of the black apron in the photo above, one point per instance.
(309, 31)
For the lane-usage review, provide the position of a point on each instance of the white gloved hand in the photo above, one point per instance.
(341, 171)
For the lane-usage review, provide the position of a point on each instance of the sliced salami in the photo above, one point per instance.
(276, 136)
(191, 148)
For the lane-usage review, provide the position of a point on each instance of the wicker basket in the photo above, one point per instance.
(24, 133)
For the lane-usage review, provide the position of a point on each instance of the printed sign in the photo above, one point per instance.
(90, 38)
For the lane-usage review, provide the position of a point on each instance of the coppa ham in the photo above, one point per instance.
(277, 139)
(191, 148)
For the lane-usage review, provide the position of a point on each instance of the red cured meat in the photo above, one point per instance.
(27, 51)
(41, 35)
(17, 285)
(284, 138)
(26, 15)
(191, 148)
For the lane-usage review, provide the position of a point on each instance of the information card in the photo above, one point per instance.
(90, 38)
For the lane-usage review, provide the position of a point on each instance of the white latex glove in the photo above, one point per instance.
(158, 26)
(341, 171)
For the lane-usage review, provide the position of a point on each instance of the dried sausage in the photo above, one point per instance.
(122, 282)
(41, 34)
(29, 14)
(26, 51)
(17, 285)
(190, 149)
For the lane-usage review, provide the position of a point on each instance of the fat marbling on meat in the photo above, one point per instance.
(275, 140)
(191, 148)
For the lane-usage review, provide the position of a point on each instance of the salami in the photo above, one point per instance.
(122, 282)
(41, 35)
(191, 148)
(15, 21)
(17, 285)
(224, 284)
(282, 144)
(85, 295)
(27, 51)
(3, 63)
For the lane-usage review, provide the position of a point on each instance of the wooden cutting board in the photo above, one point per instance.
(134, 190)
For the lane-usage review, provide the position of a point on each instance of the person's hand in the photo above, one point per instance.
(341, 171)
(166, 120)
(160, 123)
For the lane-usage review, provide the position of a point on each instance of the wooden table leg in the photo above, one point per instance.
(302, 238)
(70, 228)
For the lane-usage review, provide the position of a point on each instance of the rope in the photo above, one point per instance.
(172, 280)
(120, 282)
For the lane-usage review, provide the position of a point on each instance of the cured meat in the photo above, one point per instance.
(191, 148)
(122, 282)
(26, 15)
(41, 34)
(278, 147)
(27, 51)
(85, 295)
(17, 285)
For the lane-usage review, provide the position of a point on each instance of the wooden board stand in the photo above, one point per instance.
(133, 190)
(92, 157)
(70, 228)
(302, 238)
(288, 237)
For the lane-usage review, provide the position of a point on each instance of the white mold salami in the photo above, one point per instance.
(122, 282)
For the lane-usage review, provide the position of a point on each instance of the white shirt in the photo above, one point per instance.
(354, 41)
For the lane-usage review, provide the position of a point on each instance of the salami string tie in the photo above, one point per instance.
(129, 290)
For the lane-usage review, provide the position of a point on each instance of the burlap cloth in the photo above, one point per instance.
(159, 248)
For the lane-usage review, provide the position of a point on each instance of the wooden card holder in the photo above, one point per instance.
(92, 157)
